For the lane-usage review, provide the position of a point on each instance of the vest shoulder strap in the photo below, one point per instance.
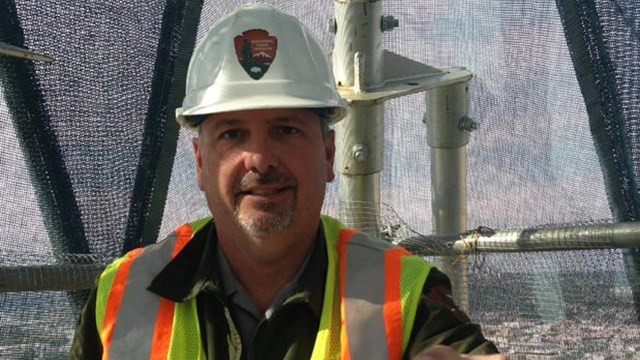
(133, 322)
(379, 286)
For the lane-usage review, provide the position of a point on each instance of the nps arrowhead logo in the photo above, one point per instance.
(255, 50)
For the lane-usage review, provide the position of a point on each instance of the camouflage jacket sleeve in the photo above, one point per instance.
(440, 322)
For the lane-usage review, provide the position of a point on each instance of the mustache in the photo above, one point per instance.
(271, 177)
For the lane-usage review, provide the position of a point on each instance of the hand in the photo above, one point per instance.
(441, 352)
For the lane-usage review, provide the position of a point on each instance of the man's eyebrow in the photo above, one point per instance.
(287, 119)
(227, 123)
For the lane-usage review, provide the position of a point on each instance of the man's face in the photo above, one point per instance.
(265, 171)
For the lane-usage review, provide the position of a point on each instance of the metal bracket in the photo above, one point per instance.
(403, 76)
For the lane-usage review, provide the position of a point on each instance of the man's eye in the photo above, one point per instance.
(231, 134)
(289, 130)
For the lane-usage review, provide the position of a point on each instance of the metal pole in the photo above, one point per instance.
(580, 237)
(447, 106)
(358, 64)
(49, 277)
(563, 238)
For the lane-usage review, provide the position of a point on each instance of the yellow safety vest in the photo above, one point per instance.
(361, 318)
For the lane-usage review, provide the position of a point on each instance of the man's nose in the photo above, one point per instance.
(260, 155)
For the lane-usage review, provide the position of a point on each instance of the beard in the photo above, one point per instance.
(266, 226)
(275, 217)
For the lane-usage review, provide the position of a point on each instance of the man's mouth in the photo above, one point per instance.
(263, 192)
(263, 185)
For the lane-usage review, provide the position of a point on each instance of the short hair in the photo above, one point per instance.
(325, 128)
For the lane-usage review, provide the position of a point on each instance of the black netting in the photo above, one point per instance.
(557, 309)
(603, 37)
(94, 102)
(36, 325)
(88, 143)
(87, 147)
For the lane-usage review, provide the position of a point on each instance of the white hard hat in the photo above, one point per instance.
(259, 58)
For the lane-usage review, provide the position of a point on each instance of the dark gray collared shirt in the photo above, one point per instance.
(245, 313)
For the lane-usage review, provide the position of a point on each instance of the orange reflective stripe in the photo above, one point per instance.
(115, 301)
(185, 233)
(378, 287)
(382, 307)
(163, 330)
(393, 301)
(345, 236)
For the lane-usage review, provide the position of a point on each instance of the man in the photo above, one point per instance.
(269, 278)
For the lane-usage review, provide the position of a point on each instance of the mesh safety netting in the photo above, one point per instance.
(87, 148)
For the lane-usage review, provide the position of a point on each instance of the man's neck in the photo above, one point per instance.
(263, 278)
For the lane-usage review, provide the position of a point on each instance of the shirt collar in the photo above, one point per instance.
(196, 269)
(191, 271)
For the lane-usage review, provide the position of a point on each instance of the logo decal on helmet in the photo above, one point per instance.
(256, 50)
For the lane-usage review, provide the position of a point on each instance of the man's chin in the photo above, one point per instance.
(265, 225)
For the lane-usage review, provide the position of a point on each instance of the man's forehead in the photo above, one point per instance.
(266, 115)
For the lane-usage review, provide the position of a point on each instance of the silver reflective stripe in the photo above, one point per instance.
(364, 298)
(136, 320)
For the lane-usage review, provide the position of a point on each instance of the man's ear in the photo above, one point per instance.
(330, 152)
(198, 155)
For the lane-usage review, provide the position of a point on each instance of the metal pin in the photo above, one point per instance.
(389, 22)
(468, 124)
(20, 53)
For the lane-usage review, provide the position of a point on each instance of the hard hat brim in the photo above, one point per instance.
(335, 113)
